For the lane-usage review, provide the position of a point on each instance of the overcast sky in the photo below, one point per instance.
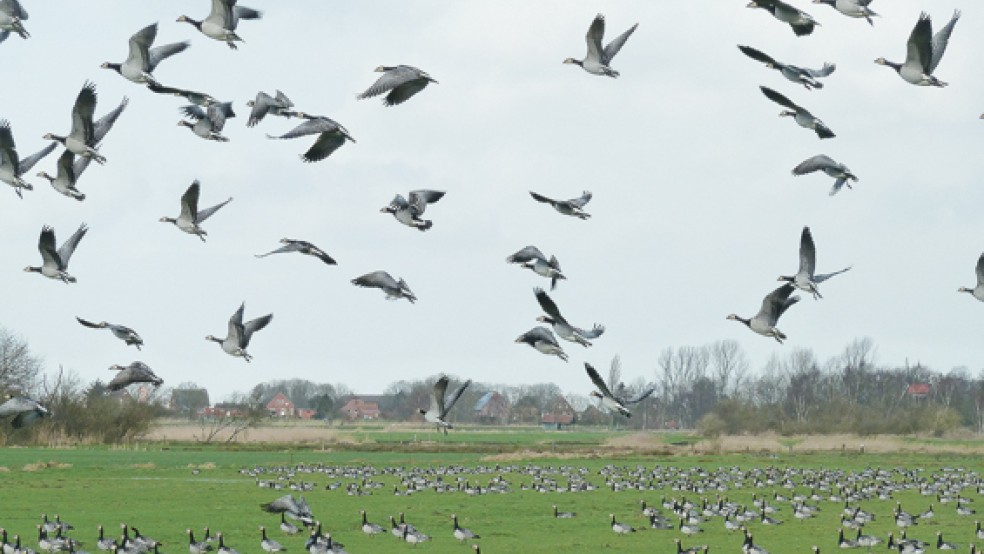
(695, 212)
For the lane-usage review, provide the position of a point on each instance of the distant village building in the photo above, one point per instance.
(359, 409)
(227, 409)
(188, 402)
(306, 413)
(558, 415)
(492, 409)
(918, 390)
(280, 406)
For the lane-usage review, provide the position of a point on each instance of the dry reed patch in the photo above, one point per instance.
(148, 465)
(38, 466)
(206, 465)
(534, 454)
(4, 469)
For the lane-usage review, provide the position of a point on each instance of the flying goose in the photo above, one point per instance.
(69, 171)
(296, 508)
(85, 136)
(821, 162)
(381, 280)
(560, 326)
(331, 136)
(238, 335)
(802, 117)
(22, 410)
(609, 400)
(304, 247)
(440, 406)
(462, 533)
(543, 340)
(773, 305)
(370, 528)
(142, 60)
(136, 372)
(208, 123)
(621, 528)
(978, 291)
(222, 21)
(801, 75)
(122, 332)
(12, 16)
(12, 167)
(801, 22)
(924, 50)
(805, 279)
(401, 81)
(55, 262)
(197, 98)
(597, 60)
(530, 257)
(265, 104)
(567, 207)
(851, 8)
(267, 544)
(408, 211)
(191, 217)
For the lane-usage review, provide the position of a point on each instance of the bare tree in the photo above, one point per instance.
(19, 369)
(730, 367)
(615, 373)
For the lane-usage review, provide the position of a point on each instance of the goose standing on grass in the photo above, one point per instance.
(264, 105)
(597, 61)
(824, 163)
(801, 116)
(369, 528)
(69, 171)
(462, 533)
(845, 542)
(267, 544)
(851, 8)
(801, 75)
(773, 305)
(207, 123)
(942, 544)
(12, 16)
(222, 21)
(191, 218)
(143, 60)
(331, 136)
(573, 207)
(304, 247)
(381, 280)
(563, 515)
(401, 81)
(806, 279)
(136, 372)
(85, 135)
(238, 335)
(560, 325)
(12, 167)
(408, 210)
(102, 543)
(621, 528)
(223, 549)
(924, 50)
(801, 22)
(55, 262)
(286, 526)
(978, 291)
(441, 406)
(122, 332)
(195, 547)
(530, 257)
(609, 400)
(542, 339)
(22, 410)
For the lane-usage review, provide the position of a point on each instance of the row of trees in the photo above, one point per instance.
(710, 387)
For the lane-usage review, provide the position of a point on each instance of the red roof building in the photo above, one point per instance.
(280, 406)
(357, 408)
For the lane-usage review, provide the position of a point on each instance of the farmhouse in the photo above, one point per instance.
(492, 409)
(359, 409)
(280, 406)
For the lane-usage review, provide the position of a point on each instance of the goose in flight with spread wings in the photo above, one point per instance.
(597, 60)
(610, 401)
(69, 171)
(801, 75)
(408, 210)
(140, 64)
(806, 278)
(239, 333)
(978, 291)
(55, 262)
(22, 410)
(440, 406)
(801, 22)
(773, 305)
(543, 340)
(122, 332)
(923, 53)
(331, 136)
(85, 136)
(191, 217)
(12, 16)
(801, 116)
(824, 163)
(401, 82)
(12, 167)
(136, 372)
(560, 325)
(851, 8)
(264, 105)
(302, 246)
(530, 257)
(222, 21)
(573, 207)
(208, 122)
(393, 288)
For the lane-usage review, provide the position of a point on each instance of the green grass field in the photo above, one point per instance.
(155, 490)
